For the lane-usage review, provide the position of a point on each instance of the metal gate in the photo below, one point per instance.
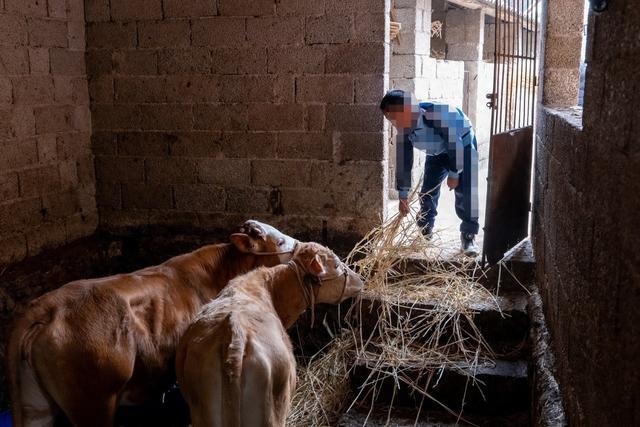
(512, 117)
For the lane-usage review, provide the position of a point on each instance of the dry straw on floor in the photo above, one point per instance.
(424, 323)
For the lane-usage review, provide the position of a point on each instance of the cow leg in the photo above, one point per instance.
(37, 408)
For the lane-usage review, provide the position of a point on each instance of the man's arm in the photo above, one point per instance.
(404, 164)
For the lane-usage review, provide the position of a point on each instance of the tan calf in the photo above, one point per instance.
(235, 365)
(86, 346)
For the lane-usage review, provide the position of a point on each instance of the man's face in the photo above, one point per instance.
(401, 116)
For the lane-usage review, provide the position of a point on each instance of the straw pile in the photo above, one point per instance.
(424, 323)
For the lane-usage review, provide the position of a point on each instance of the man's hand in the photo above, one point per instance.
(452, 183)
(403, 207)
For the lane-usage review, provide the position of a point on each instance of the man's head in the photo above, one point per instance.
(399, 108)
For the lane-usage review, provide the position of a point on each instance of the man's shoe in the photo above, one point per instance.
(427, 232)
(468, 244)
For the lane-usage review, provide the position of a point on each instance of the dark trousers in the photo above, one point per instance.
(466, 192)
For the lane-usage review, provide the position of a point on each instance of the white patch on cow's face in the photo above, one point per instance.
(280, 241)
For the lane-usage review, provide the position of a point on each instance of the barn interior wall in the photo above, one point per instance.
(587, 198)
(209, 112)
(47, 184)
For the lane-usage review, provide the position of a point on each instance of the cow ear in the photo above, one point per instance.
(315, 266)
(242, 242)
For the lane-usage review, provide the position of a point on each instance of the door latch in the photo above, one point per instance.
(492, 98)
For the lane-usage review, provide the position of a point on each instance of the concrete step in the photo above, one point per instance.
(503, 389)
(504, 326)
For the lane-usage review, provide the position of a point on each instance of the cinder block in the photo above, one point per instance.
(135, 62)
(185, 89)
(47, 32)
(39, 60)
(47, 235)
(13, 30)
(109, 117)
(13, 248)
(190, 9)
(108, 195)
(54, 119)
(26, 7)
(138, 143)
(464, 52)
(274, 31)
(315, 117)
(57, 8)
(249, 145)
(146, 196)
(369, 89)
(67, 62)
(21, 214)
(194, 143)
(246, 88)
(251, 60)
(81, 225)
(60, 205)
(305, 145)
(101, 89)
(165, 117)
(6, 92)
(167, 33)
(246, 7)
(406, 66)
(352, 176)
(68, 175)
(102, 143)
(218, 32)
(299, 8)
(370, 27)
(9, 188)
(76, 35)
(111, 35)
(307, 59)
(365, 58)
(328, 29)
(276, 117)
(98, 62)
(23, 122)
(86, 170)
(199, 198)
(231, 117)
(139, 89)
(82, 118)
(39, 181)
(284, 89)
(367, 118)
(72, 146)
(307, 201)
(285, 173)
(224, 172)
(119, 169)
(562, 51)
(33, 90)
(325, 89)
(14, 60)
(341, 7)
(171, 170)
(47, 149)
(135, 9)
(360, 146)
(184, 61)
(247, 200)
(96, 10)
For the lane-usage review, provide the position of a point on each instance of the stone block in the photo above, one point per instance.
(6, 92)
(54, 119)
(47, 149)
(123, 10)
(246, 7)
(328, 29)
(146, 196)
(13, 30)
(9, 188)
(60, 205)
(464, 52)
(186, 89)
(47, 32)
(249, 145)
(111, 35)
(218, 32)
(135, 62)
(365, 58)
(47, 235)
(108, 195)
(171, 170)
(231, 117)
(406, 66)
(184, 61)
(247, 200)
(98, 62)
(284, 89)
(167, 33)
(352, 176)
(68, 171)
(57, 8)
(325, 89)
(67, 62)
(285, 173)
(300, 8)
(101, 89)
(140, 143)
(274, 31)
(308, 201)
(305, 145)
(199, 198)
(315, 117)
(190, 9)
(367, 118)
(102, 143)
(276, 117)
(26, 7)
(76, 35)
(246, 88)
(224, 172)
(119, 169)
(369, 89)
(139, 89)
(38, 181)
(108, 117)
(13, 248)
(96, 10)
(562, 51)
(33, 90)
(165, 117)
(307, 59)
(341, 7)
(560, 87)
(370, 27)
(243, 60)
(194, 143)
(360, 146)
(39, 60)
(14, 60)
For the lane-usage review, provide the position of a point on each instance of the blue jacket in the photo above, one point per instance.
(440, 128)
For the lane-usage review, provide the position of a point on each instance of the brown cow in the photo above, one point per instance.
(234, 364)
(91, 344)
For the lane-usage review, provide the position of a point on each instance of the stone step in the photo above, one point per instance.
(504, 327)
(503, 389)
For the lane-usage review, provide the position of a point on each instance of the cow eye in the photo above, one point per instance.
(280, 242)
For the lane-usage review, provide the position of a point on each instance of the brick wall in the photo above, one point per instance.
(208, 112)
(587, 199)
(47, 181)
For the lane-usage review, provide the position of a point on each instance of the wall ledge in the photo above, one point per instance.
(569, 115)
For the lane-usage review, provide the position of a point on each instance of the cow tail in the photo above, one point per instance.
(233, 359)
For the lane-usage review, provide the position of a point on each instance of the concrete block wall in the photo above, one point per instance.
(47, 183)
(211, 111)
(586, 203)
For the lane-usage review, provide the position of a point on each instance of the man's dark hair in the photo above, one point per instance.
(393, 98)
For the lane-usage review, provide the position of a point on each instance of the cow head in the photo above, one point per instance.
(262, 239)
(336, 281)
